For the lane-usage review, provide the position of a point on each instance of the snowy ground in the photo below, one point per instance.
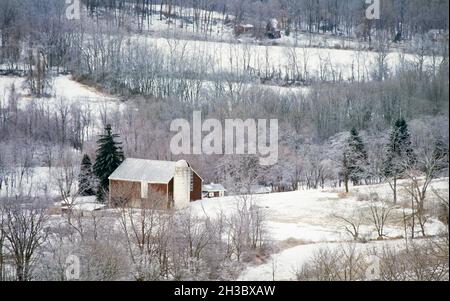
(308, 215)
(302, 222)
(284, 265)
(82, 203)
(320, 63)
(38, 181)
(65, 91)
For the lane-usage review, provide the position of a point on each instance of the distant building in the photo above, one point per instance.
(213, 190)
(437, 35)
(259, 189)
(256, 189)
(158, 184)
(244, 29)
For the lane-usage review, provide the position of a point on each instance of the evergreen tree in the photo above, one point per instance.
(357, 159)
(345, 171)
(399, 154)
(86, 177)
(109, 157)
(440, 155)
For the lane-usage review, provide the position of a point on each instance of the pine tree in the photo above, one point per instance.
(440, 155)
(357, 159)
(399, 154)
(345, 171)
(86, 177)
(109, 157)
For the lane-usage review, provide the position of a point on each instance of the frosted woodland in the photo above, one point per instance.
(92, 189)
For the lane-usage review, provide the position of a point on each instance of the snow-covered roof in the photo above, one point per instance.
(89, 206)
(213, 187)
(259, 189)
(87, 203)
(152, 171)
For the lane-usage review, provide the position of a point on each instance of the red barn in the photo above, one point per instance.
(159, 184)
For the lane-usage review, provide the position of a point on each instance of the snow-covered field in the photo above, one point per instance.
(181, 23)
(302, 222)
(320, 63)
(321, 56)
(284, 265)
(309, 215)
(65, 91)
(36, 181)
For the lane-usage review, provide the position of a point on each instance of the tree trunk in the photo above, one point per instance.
(394, 189)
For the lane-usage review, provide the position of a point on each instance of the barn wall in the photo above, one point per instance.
(162, 188)
(170, 188)
(157, 196)
(196, 194)
(130, 192)
(124, 191)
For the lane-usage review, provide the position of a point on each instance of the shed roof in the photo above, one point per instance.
(213, 187)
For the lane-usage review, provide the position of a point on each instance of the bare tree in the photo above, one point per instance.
(25, 233)
(380, 214)
(426, 261)
(246, 227)
(141, 228)
(66, 173)
(38, 79)
(342, 263)
(351, 224)
(444, 208)
(419, 182)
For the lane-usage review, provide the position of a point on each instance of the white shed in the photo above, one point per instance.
(213, 190)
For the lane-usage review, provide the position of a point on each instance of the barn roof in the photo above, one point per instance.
(152, 171)
(144, 170)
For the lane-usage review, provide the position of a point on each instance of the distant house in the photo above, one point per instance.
(437, 35)
(213, 190)
(157, 184)
(243, 29)
(259, 189)
(256, 189)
